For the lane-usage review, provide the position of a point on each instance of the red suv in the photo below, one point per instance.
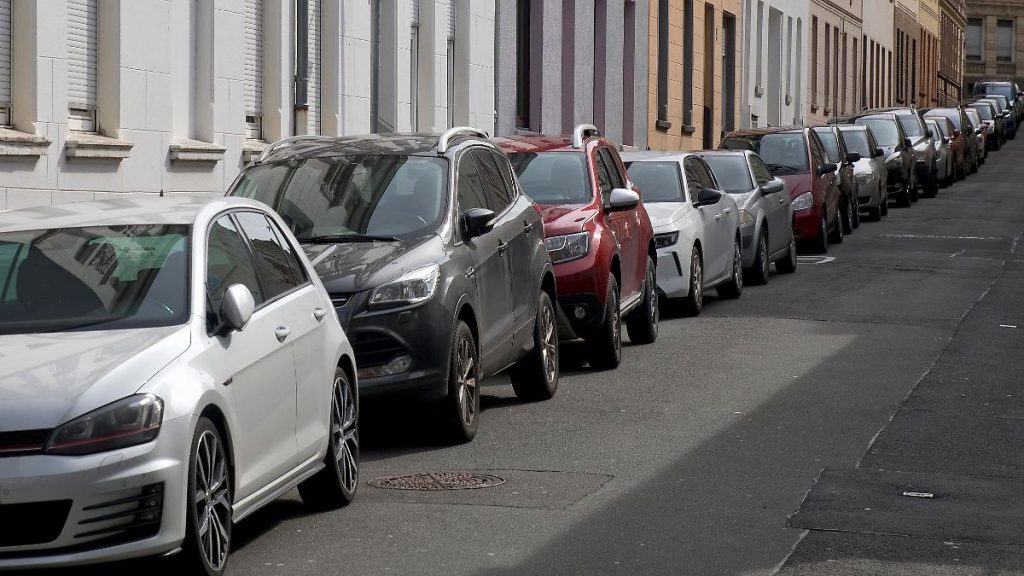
(797, 156)
(598, 235)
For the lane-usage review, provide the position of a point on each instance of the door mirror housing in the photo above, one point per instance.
(878, 153)
(477, 222)
(622, 199)
(930, 133)
(236, 309)
(956, 133)
(853, 157)
(907, 143)
(945, 139)
(826, 168)
(708, 196)
(772, 187)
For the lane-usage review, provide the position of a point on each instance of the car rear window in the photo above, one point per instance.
(658, 181)
(1005, 90)
(93, 278)
(782, 152)
(731, 172)
(553, 177)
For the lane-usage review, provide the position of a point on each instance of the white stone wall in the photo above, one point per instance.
(795, 43)
(170, 97)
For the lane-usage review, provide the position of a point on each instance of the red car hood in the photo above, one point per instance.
(797, 184)
(566, 219)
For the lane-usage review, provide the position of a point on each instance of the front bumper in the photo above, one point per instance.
(121, 504)
(868, 195)
(924, 171)
(379, 337)
(748, 244)
(807, 223)
(582, 292)
(894, 179)
(673, 273)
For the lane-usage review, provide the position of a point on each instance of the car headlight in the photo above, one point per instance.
(745, 217)
(803, 201)
(410, 288)
(567, 247)
(128, 422)
(866, 178)
(665, 239)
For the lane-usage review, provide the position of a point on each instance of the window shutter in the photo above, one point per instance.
(5, 57)
(253, 66)
(82, 44)
(415, 9)
(451, 19)
(313, 50)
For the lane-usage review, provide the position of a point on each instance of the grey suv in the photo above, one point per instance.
(433, 257)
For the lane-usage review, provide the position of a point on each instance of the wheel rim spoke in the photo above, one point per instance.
(212, 500)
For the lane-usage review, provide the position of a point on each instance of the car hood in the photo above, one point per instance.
(662, 213)
(797, 184)
(47, 379)
(566, 219)
(357, 266)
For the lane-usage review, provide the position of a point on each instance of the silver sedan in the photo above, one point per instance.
(169, 367)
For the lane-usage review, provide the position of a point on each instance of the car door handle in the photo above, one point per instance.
(319, 314)
(282, 333)
(502, 247)
(781, 200)
(527, 227)
(718, 216)
(727, 211)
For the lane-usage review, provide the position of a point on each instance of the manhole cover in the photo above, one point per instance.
(433, 481)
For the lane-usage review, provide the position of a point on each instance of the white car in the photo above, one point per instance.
(696, 226)
(167, 367)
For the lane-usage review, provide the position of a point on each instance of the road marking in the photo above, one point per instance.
(939, 237)
(1007, 326)
(814, 259)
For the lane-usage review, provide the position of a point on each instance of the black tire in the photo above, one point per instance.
(604, 346)
(535, 376)
(787, 265)
(759, 272)
(846, 213)
(904, 198)
(885, 203)
(733, 289)
(335, 486)
(820, 244)
(856, 211)
(642, 323)
(197, 557)
(875, 213)
(836, 235)
(461, 408)
(693, 303)
(912, 190)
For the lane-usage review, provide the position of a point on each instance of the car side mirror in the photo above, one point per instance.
(772, 187)
(235, 309)
(908, 143)
(853, 157)
(956, 133)
(930, 133)
(826, 168)
(622, 199)
(477, 222)
(945, 139)
(708, 196)
(978, 131)
(878, 153)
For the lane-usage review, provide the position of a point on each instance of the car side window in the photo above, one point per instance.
(228, 262)
(693, 180)
(614, 172)
(276, 264)
(817, 156)
(707, 177)
(469, 187)
(496, 192)
(604, 178)
(761, 172)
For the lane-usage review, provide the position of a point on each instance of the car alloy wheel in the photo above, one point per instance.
(345, 435)
(535, 376)
(462, 406)
(210, 502)
(694, 301)
(642, 323)
(761, 269)
(734, 287)
(466, 383)
(787, 265)
(848, 217)
(604, 345)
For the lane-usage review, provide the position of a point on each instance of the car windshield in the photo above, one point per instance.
(984, 111)
(93, 278)
(857, 141)
(658, 181)
(354, 197)
(911, 125)
(732, 172)
(783, 152)
(1004, 90)
(884, 129)
(553, 177)
(829, 142)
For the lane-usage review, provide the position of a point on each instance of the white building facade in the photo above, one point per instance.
(176, 96)
(774, 73)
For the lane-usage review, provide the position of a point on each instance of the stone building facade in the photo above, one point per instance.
(952, 34)
(834, 53)
(876, 52)
(995, 50)
(928, 54)
(774, 63)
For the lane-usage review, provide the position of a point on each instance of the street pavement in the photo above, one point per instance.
(776, 433)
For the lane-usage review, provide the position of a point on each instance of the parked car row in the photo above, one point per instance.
(175, 365)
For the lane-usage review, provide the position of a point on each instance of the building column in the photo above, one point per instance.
(505, 61)
(346, 69)
(546, 67)
(278, 69)
(608, 69)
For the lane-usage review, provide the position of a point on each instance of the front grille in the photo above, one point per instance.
(129, 517)
(375, 349)
(21, 442)
(32, 523)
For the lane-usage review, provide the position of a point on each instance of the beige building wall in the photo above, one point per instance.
(989, 67)
(672, 130)
(928, 55)
(835, 59)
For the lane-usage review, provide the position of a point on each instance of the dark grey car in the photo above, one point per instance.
(837, 153)
(898, 153)
(433, 257)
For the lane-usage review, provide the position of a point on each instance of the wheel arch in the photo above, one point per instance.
(214, 413)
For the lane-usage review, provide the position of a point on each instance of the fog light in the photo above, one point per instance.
(580, 312)
(397, 365)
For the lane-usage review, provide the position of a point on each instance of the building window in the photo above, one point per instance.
(450, 64)
(814, 62)
(828, 67)
(760, 44)
(1004, 40)
(523, 73)
(83, 22)
(252, 73)
(628, 73)
(975, 38)
(729, 72)
(662, 121)
(414, 66)
(5, 62)
(789, 56)
(313, 57)
(687, 64)
(913, 69)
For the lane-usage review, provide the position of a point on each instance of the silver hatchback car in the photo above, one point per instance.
(869, 171)
(167, 367)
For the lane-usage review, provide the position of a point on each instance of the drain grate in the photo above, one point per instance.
(435, 481)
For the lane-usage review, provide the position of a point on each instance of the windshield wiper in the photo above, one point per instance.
(342, 238)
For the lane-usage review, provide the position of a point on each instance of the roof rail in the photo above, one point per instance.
(582, 132)
(286, 142)
(444, 142)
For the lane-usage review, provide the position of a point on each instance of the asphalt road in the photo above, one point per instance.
(691, 457)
